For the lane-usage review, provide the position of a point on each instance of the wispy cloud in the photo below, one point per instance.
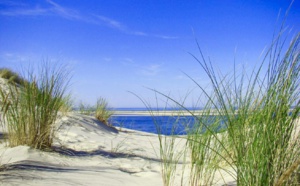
(52, 8)
(123, 28)
(138, 33)
(25, 12)
(11, 3)
(17, 58)
(151, 70)
(13, 8)
(165, 37)
(111, 22)
(64, 12)
(49, 9)
(128, 61)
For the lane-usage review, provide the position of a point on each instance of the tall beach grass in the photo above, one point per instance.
(259, 112)
(11, 76)
(169, 154)
(32, 108)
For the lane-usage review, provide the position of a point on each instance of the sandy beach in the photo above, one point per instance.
(87, 152)
(149, 93)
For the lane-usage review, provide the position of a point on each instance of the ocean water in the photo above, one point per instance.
(167, 125)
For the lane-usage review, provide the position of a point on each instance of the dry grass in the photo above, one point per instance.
(31, 109)
(102, 112)
(260, 146)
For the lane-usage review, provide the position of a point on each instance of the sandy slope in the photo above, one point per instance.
(88, 152)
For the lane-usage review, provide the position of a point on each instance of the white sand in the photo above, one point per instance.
(88, 153)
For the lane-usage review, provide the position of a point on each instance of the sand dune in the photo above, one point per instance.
(87, 152)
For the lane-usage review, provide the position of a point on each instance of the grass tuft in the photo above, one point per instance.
(67, 105)
(259, 112)
(85, 109)
(11, 76)
(32, 109)
(102, 111)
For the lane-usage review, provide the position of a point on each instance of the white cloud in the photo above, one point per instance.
(9, 57)
(123, 28)
(15, 58)
(111, 22)
(53, 8)
(165, 37)
(151, 70)
(138, 33)
(64, 12)
(31, 12)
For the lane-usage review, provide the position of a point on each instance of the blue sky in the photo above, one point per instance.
(119, 46)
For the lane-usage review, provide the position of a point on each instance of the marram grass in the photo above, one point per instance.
(260, 112)
(32, 109)
(102, 112)
(12, 77)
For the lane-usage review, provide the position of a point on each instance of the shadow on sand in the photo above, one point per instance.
(72, 152)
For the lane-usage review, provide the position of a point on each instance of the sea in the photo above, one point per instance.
(166, 125)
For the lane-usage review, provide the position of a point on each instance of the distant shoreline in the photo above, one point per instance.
(198, 112)
(160, 113)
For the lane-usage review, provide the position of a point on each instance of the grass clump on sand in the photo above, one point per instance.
(258, 117)
(31, 109)
(67, 105)
(169, 154)
(259, 144)
(206, 149)
(171, 147)
(85, 109)
(11, 76)
(102, 111)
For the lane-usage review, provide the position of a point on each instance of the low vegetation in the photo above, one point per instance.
(86, 109)
(259, 111)
(67, 105)
(101, 110)
(103, 113)
(32, 108)
(12, 77)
